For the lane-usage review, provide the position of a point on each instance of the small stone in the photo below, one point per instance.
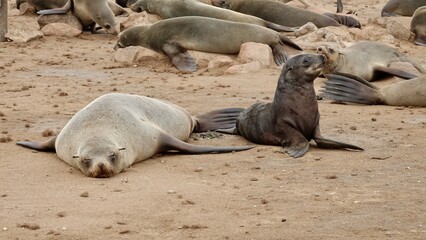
(353, 128)
(84, 194)
(305, 29)
(397, 29)
(260, 52)
(171, 192)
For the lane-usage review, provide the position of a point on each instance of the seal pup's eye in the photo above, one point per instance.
(86, 161)
(306, 60)
(112, 157)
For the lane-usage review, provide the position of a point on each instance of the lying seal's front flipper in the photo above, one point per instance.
(180, 57)
(170, 143)
(217, 119)
(331, 144)
(48, 146)
(63, 10)
(395, 72)
(350, 88)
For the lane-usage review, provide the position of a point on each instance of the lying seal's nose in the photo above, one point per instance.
(101, 165)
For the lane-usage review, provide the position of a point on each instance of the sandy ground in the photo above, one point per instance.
(257, 194)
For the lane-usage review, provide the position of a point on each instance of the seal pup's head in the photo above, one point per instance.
(99, 158)
(303, 68)
(332, 56)
(133, 36)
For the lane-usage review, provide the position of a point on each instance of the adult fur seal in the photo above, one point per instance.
(276, 12)
(116, 130)
(175, 35)
(368, 60)
(401, 7)
(180, 8)
(292, 119)
(418, 26)
(89, 13)
(349, 88)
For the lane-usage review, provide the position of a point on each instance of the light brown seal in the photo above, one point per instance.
(418, 26)
(368, 60)
(117, 130)
(349, 88)
(174, 36)
(89, 13)
(180, 8)
(292, 119)
(276, 12)
(401, 7)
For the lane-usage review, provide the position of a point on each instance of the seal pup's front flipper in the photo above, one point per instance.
(180, 57)
(350, 88)
(170, 143)
(297, 150)
(63, 10)
(48, 146)
(217, 119)
(395, 72)
(332, 144)
(294, 143)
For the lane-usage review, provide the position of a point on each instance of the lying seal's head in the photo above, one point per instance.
(99, 158)
(132, 36)
(332, 57)
(303, 68)
(106, 20)
(139, 6)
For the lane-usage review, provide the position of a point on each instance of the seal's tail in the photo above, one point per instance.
(350, 88)
(217, 119)
(48, 146)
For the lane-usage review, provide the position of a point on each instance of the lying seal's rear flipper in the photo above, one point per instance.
(339, 6)
(63, 10)
(287, 41)
(48, 146)
(180, 57)
(331, 144)
(217, 119)
(350, 88)
(279, 28)
(170, 143)
(395, 72)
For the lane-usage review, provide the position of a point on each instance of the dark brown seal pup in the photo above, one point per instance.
(401, 7)
(90, 13)
(117, 130)
(180, 8)
(174, 36)
(292, 119)
(418, 26)
(348, 88)
(277, 12)
(368, 60)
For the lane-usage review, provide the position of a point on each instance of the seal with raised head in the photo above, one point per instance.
(174, 36)
(180, 8)
(348, 88)
(89, 13)
(368, 60)
(277, 12)
(292, 119)
(418, 26)
(117, 130)
(401, 7)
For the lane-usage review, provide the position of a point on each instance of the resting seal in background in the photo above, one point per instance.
(175, 36)
(90, 13)
(116, 130)
(292, 119)
(368, 60)
(277, 12)
(180, 8)
(418, 26)
(401, 7)
(348, 88)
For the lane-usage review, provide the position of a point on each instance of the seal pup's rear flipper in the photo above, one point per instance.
(339, 6)
(48, 146)
(395, 72)
(180, 57)
(350, 88)
(170, 143)
(217, 119)
(331, 144)
(63, 10)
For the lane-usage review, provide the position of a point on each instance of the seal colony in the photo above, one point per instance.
(174, 36)
(117, 130)
(367, 60)
(349, 88)
(292, 119)
(180, 8)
